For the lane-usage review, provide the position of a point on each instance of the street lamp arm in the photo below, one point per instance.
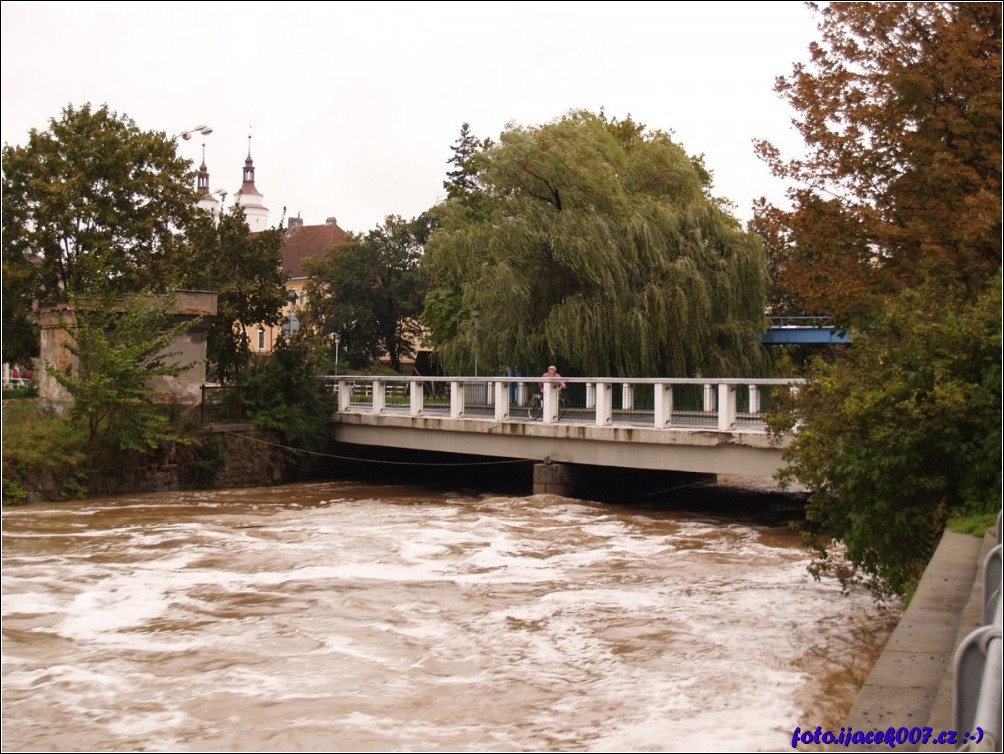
(186, 135)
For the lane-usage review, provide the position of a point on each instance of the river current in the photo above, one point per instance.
(341, 616)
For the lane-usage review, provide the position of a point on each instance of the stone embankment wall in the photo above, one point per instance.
(234, 456)
(252, 458)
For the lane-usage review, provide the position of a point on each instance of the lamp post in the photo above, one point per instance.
(223, 200)
(338, 340)
(201, 129)
(476, 313)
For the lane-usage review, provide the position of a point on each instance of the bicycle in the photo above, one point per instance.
(535, 408)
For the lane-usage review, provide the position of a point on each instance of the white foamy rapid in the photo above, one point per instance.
(338, 617)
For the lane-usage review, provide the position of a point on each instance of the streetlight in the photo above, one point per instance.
(223, 201)
(476, 313)
(338, 339)
(186, 135)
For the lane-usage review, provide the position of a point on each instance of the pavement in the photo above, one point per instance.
(912, 683)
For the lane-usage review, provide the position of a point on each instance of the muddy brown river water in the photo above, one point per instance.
(341, 616)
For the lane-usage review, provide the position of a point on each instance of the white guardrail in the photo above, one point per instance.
(978, 662)
(723, 404)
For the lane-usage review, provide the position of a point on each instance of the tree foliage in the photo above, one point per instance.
(95, 202)
(900, 109)
(120, 346)
(368, 291)
(895, 228)
(462, 180)
(597, 245)
(245, 269)
(281, 391)
(898, 431)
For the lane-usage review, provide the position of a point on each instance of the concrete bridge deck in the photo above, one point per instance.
(700, 426)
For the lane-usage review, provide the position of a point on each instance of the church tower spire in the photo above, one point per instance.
(205, 200)
(250, 199)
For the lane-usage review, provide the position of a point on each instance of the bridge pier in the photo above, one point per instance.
(604, 483)
(554, 479)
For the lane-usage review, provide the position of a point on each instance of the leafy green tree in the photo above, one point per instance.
(281, 391)
(20, 330)
(899, 431)
(90, 204)
(245, 269)
(900, 109)
(599, 246)
(895, 227)
(369, 291)
(462, 180)
(121, 345)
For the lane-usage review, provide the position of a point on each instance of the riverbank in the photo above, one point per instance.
(912, 684)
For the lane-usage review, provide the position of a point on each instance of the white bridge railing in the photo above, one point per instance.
(723, 404)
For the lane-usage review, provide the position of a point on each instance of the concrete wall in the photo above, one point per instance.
(57, 322)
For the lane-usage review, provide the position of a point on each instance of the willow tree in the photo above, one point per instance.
(596, 245)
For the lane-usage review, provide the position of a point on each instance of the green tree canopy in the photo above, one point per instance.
(596, 245)
(245, 269)
(368, 290)
(282, 391)
(895, 226)
(96, 202)
(899, 431)
(91, 203)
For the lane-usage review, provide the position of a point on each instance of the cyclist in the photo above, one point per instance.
(537, 402)
(551, 374)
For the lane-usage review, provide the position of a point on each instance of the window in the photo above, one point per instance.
(261, 339)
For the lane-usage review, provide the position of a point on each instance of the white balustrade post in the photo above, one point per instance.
(590, 395)
(344, 395)
(456, 400)
(709, 399)
(521, 394)
(501, 401)
(793, 389)
(663, 405)
(627, 396)
(726, 407)
(379, 396)
(490, 392)
(754, 399)
(417, 397)
(550, 401)
(604, 404)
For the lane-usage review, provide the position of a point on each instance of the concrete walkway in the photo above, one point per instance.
(912, 682)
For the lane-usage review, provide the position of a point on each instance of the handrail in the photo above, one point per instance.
(801, 321)
(571, 380)
(493, 397)
(978, 661)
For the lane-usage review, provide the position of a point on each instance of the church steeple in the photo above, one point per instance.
(250, 199)
(205, 199)
(202, 182)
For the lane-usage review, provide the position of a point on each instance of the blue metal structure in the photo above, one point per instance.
(803, 331)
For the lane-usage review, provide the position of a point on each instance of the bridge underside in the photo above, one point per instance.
(702, 451)
(805, 336)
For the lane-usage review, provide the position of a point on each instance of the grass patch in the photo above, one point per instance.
(43, 453)
(977, 524)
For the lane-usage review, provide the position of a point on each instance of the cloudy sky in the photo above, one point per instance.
(352, 107)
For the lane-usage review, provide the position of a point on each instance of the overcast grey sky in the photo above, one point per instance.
(352, 107)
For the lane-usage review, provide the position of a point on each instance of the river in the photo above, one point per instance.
(343, 616)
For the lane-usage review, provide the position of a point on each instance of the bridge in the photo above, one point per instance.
(803, 331)
(698, 426)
